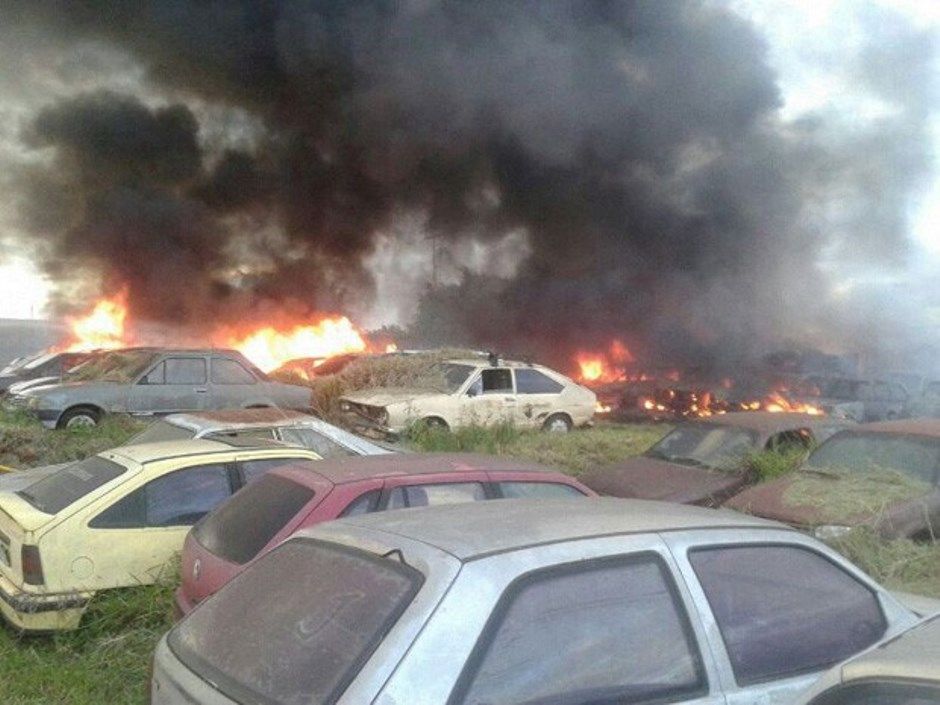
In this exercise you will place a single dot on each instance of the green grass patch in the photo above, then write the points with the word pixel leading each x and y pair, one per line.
pixel 572 452
pixel 24 442
pixel 771 464
pixel 106 660
pixel 840 495
pixel 900 564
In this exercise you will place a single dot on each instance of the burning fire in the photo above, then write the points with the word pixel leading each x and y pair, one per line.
pixel 606 366
pixel 101 329
pixel 270 348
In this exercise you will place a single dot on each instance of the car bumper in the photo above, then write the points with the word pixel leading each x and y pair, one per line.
pixel 31 612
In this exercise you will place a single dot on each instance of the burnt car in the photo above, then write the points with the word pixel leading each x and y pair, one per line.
pixel 885 476
pixel 49 366
pixel 860 399
pixel 927 403
pixel 155 382
pixel 310 367
pixel 702 461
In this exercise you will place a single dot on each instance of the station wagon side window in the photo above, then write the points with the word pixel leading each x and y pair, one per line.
pixel 497 381
pixel 363 504
pixel 626 639
pixel 537 490
pixel 180 498
pixel 433 495
pixel 535 382
pixel 225 371
pixel 785 610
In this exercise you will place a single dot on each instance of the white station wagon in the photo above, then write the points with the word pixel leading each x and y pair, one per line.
pixel 478 391
pixel 529 602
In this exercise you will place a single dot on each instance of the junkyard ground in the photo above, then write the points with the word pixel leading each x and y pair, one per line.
pixel 107 660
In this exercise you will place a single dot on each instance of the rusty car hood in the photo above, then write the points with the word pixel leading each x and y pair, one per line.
pixel 386 397
pixel 651 478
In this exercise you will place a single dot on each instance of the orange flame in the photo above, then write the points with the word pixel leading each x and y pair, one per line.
pixel 270 348
pixel 101 329
pixel 605 366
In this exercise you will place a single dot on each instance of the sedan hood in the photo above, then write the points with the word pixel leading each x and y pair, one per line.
pixel 650 478
pixel 386 397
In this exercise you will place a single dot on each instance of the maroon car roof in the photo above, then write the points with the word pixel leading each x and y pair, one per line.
pixel 770 421
pixel 352 469
pixel 915 427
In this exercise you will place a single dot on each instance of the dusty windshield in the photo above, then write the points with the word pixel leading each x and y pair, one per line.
pixel 705 445
pixel 856 452
pixel 122 367
pixel 454 375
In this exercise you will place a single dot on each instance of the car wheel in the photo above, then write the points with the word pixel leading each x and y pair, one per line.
pixel 557 423
pixel 79 417
pixel 436 423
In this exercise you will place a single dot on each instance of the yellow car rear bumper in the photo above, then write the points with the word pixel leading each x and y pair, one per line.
pixel 41 612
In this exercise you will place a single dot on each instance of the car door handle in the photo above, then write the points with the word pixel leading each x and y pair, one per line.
pixel 509 398
pixel 201 390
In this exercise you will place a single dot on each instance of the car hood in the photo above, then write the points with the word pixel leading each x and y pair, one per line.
pixel 25 384
pixel 386 397
pixel 651 478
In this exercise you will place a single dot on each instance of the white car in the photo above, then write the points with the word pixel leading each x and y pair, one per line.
pixel 477 391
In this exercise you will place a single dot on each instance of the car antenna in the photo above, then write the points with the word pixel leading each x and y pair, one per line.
pixel 493 359
pixel 396 552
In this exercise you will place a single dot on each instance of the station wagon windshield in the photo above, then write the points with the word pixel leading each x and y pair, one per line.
pixel 54 493
pixel 330 616
pixel 705 445
pixel 122 367
pixel 852 451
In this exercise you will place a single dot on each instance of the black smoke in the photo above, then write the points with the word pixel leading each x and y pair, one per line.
pixel 638 144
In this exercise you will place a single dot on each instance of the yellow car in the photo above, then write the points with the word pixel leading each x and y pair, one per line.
pixel 114 520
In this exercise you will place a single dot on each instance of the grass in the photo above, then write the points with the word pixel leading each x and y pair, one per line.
pixel 900 564
pixel 769 465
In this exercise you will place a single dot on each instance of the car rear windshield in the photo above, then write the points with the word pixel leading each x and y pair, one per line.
pixel 54 493
pixel 855 451
pixel 705 445
pixel 160 431
pixel 240 528
pixel 296 627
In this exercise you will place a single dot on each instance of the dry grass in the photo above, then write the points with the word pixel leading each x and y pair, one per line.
pixel 840 495
pixel 900 564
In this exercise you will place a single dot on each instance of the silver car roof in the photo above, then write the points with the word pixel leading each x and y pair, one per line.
pixel 470 530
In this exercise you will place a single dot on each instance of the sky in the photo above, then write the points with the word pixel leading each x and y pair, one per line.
pixel 812 44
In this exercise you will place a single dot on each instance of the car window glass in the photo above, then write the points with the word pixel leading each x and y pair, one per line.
pixel 183 497
pixel 625 638
pixel 327 620
pixel 884 693
pixel 497 381
pixel 317 442
pixel 254 469
pixel 784 610
pixel 54 493
pixel 239 528
pixel 364 504
pixel 534 382
pixel 538 490
pixel 156 376
pixel 705 444
pixel 476 387
pixel 225 371
pixel 185 370
pixel 266 434
pixel 863 452
pixel 433 495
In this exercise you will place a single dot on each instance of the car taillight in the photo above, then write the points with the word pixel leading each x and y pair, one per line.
pixel 32 565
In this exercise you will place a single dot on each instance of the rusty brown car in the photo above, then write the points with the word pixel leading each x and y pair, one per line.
pixel 883 475
pixel 702 461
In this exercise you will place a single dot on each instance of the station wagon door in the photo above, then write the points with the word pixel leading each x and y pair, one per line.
pixel 232 385
pixel 134 539
pixel 778 612
pixel 176 383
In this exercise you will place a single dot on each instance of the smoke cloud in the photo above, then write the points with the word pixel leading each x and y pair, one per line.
pixel 638 148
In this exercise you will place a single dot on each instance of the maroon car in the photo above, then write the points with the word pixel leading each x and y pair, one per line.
pixel 882 475
pixel 701 461
pixel 290 498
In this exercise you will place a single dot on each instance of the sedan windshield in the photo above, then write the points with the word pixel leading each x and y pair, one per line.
pixel 705 445
pixel 120 366
pixel 855 451
pixel 297 627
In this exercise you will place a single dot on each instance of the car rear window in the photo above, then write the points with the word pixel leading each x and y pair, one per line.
pixel 538 490
pixel 240 528
pixel 54 493
pixel 297 627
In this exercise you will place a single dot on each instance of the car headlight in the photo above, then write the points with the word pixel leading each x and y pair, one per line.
pixel 345 406
pixel 828 532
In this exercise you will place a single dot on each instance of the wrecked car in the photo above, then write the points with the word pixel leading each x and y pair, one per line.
pixel 885 476
pixel 529 601
pixel 155 382
pixel 702 461
pixel 284 425
pixel 310 367
pixel 48 366
pixel 477 391
pixel 904 670
pixel 859 399
pixel 291 498
pixel 114 520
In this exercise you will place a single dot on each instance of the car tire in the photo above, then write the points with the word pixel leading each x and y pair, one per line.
pixel 435 422
pixel 557 423
pixel 79 416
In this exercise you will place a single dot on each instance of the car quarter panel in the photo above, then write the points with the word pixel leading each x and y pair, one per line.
pixel 449 639
pixel 785 690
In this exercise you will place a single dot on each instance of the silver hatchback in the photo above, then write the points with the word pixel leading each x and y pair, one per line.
pixel 538 602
